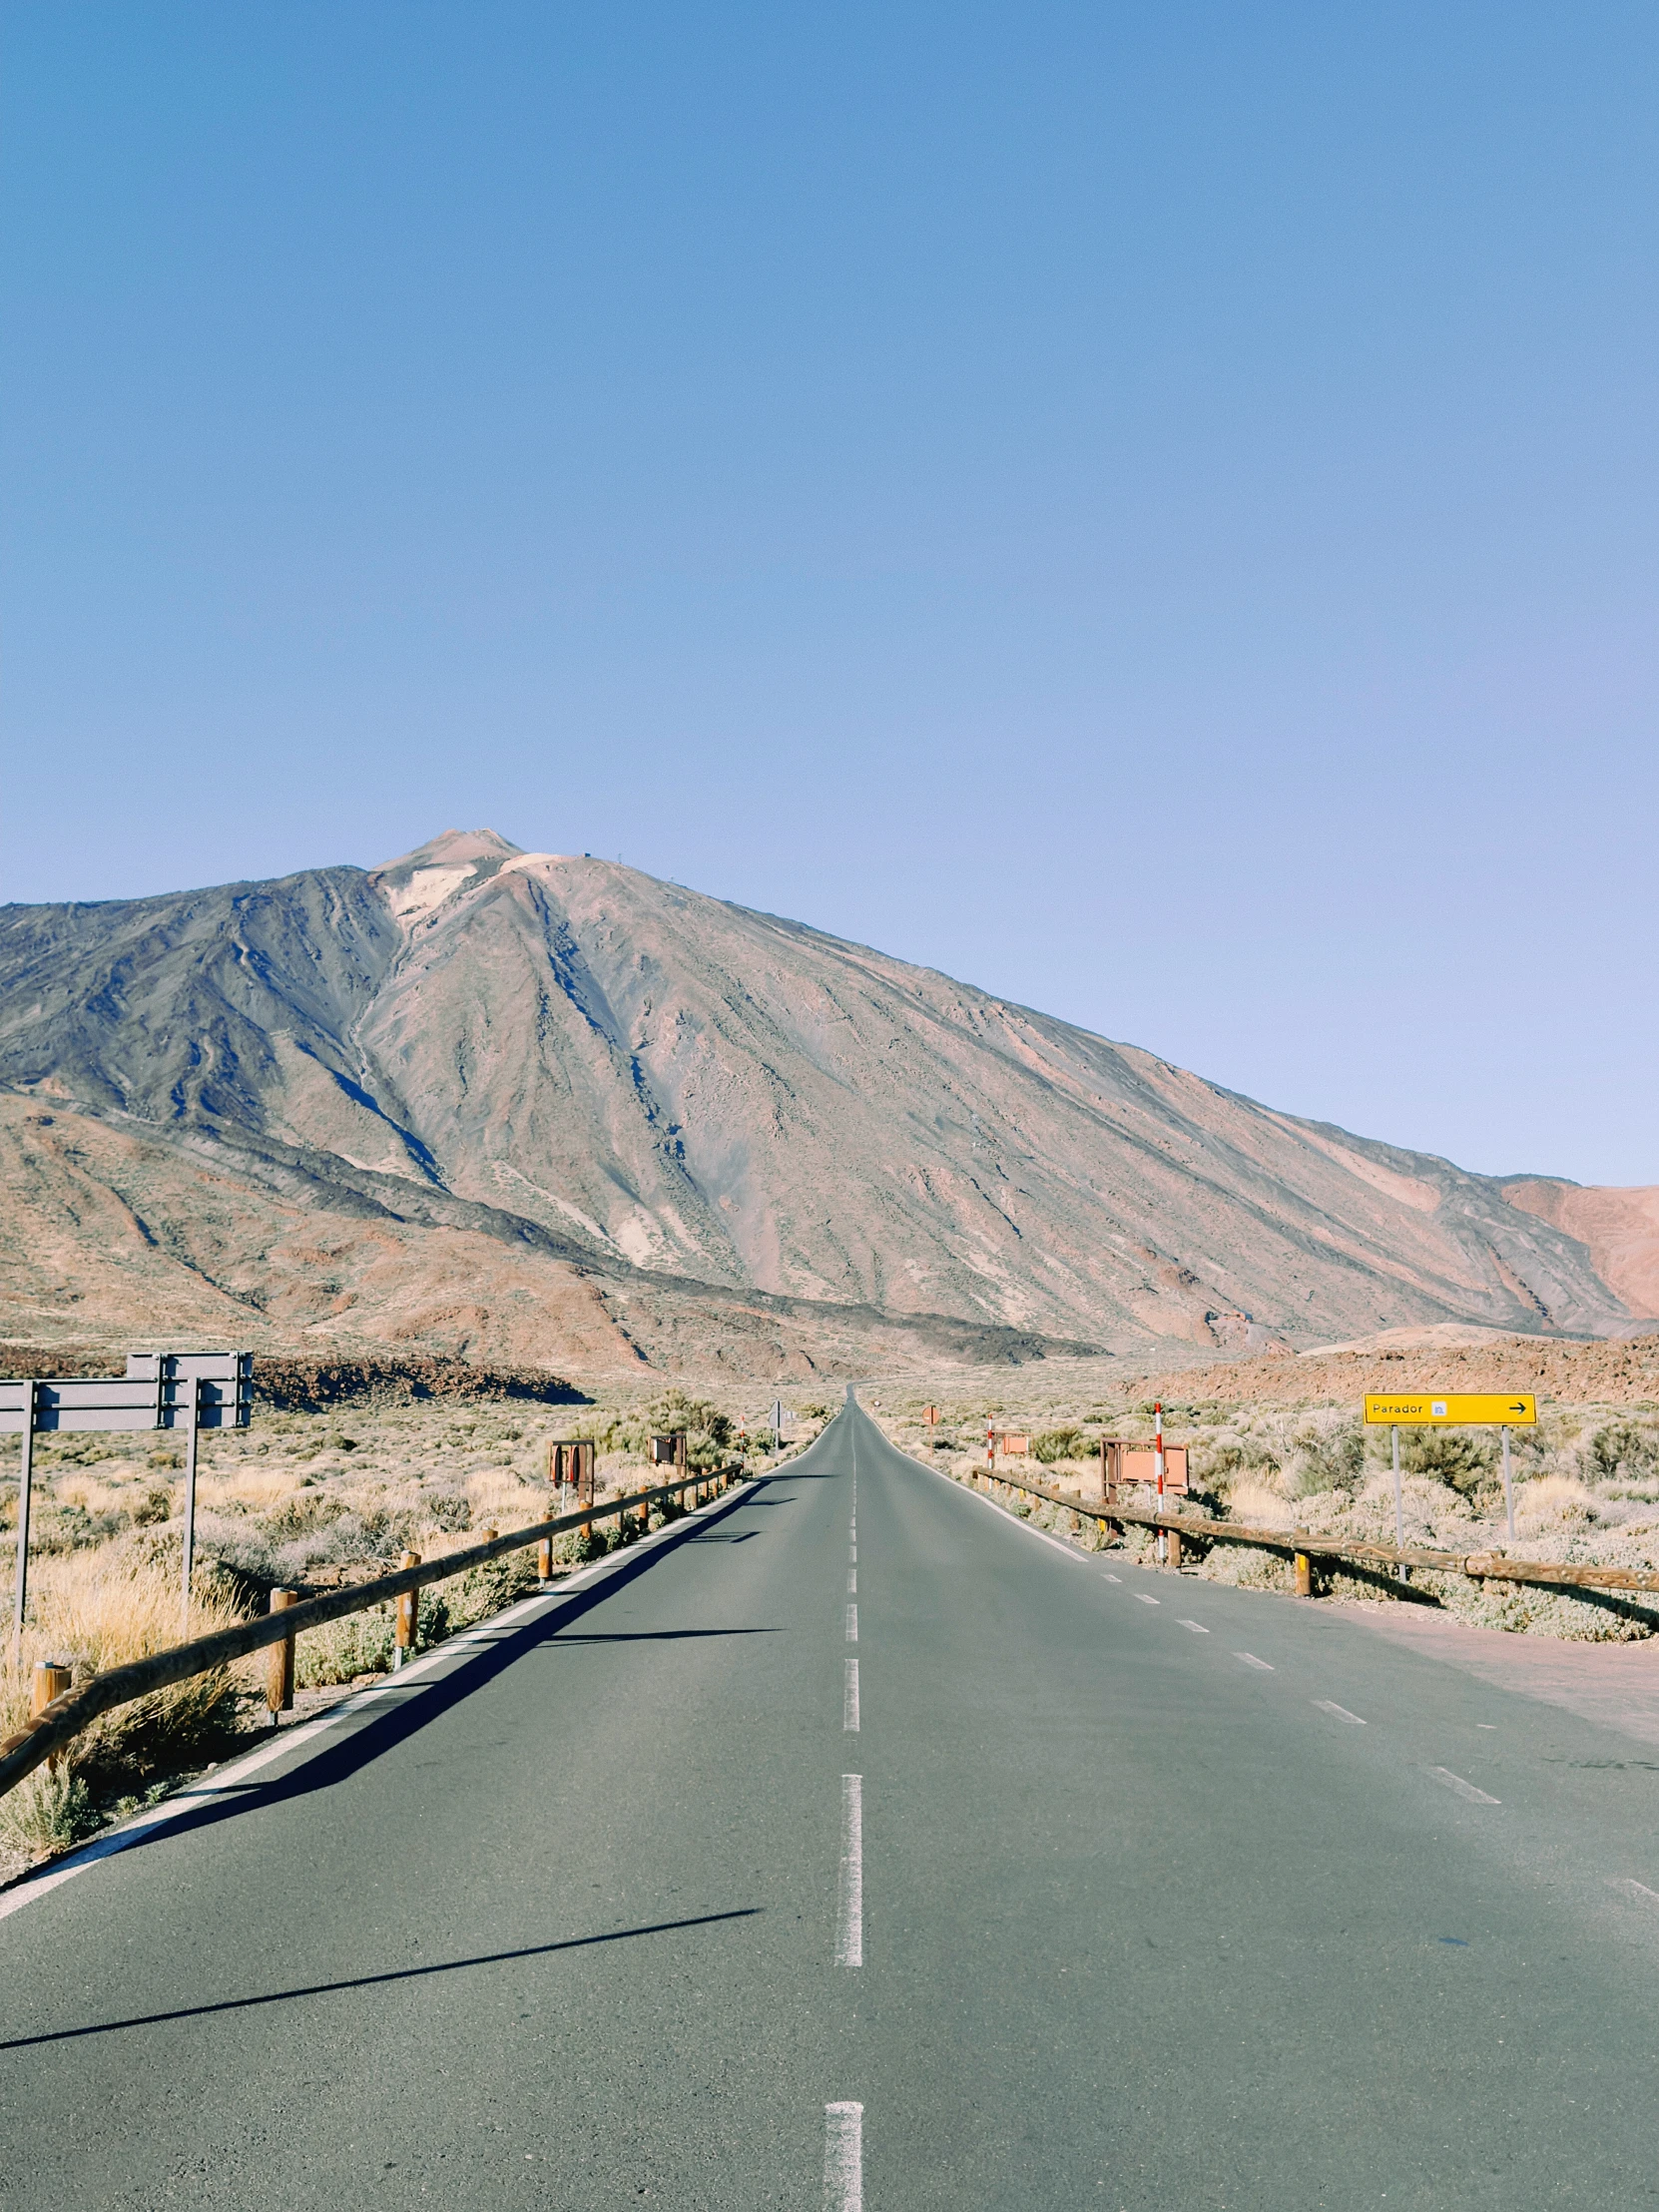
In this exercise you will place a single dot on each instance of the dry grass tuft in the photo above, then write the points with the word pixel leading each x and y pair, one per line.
pixel 1258 1504
pixel 1551 1501
pixel 100 1609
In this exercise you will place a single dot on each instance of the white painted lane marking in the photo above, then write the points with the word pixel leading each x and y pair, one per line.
pixel 1250 1659
pixel 849 1700
pixel 852 1578
pixel 850 1920
pixel 1463 1788
pixel 1071 1552
pixel 853 1624
pixel 853 1554
pixel 1112 1578
pixel 1198 1628
pixel 226 1780
pixel 1637 1890
pixel 844 2158
pixel 1144 1600
pixel 1338 1712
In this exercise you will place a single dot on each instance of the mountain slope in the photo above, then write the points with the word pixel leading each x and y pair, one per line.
pixel 654 1088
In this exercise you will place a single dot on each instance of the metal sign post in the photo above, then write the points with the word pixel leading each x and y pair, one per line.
pixel 1508 1491
pixel 192 1390
pixel 1454 1410
pixel 1400 1509
pixel 25 1485
pixel 193 1404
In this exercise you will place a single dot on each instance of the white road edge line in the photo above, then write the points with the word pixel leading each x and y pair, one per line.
pixel 1250 1659
pixel 1338 1712
pixel 1637 1890
pixel 225 1781
pixel 849 1700
pixel 1198 1628
pixel 850 1919
pixel 844 2158
pixel 1463 1788
pixel 853 1624
pixel 1071 1552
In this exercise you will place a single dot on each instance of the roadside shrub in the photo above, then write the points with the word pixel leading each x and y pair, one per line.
pixel 1327 1453
pixel 341 1650
pixel 1059 1444
pixel 46 1812
pixel 1460 1457
pixel 1626 1450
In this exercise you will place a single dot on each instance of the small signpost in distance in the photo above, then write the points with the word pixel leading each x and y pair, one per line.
pixel 1398 1409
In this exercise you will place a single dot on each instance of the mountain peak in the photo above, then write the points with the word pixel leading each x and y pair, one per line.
pixel 417 881
pixel 449 849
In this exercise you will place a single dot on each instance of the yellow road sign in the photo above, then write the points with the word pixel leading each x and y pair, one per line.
pixel 1432 1408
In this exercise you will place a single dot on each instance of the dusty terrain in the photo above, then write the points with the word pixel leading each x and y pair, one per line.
pixel 544 1109
pixel 1278 1441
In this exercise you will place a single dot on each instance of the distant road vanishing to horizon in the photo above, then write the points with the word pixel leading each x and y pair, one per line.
pixel 850 1844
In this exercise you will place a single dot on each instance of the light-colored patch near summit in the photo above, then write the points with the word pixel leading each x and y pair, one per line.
pixel 426 888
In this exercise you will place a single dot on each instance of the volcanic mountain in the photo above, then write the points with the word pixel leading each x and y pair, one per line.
pixel 544 1107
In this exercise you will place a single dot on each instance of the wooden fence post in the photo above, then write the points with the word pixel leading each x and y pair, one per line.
pixel 52 1679
pixel 1175 1549
pixel 279 1666
pixel 1304 1575
pixel 544 1561
pixel 408 1616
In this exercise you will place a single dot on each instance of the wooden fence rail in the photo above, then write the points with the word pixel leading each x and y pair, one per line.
pixel 64 1717
pixel 1480 1567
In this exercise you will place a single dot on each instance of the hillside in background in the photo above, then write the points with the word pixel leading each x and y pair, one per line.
pixel 547 1109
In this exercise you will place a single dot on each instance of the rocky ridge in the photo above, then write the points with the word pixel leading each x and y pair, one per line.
pixel 544 1109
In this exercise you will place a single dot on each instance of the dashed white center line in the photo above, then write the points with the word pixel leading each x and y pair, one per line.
pixel 849 1701
pixel 853 1554
pixel 853 1624
pixel 1249 1659
pixel 1112 1578
pixel 844 2158
pixel 850 1929
pixel 852 1578
pixel 1338 1712
pixel 1198 1628
pixel 1144 1600
pixel 1637 1890
pixel 1463 1788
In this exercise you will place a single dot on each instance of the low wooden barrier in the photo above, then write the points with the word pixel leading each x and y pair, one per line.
pixel 66 1715
pixel 1307 1543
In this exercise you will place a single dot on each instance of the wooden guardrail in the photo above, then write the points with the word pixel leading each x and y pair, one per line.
pixel 65 1716
pixel 1308 1544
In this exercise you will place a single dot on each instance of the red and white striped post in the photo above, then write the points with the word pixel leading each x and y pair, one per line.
pixel 1158 1471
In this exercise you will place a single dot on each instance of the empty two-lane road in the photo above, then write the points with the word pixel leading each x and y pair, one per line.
pixel 856 1845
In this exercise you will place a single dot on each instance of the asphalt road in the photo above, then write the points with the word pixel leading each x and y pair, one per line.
pixel 615 1906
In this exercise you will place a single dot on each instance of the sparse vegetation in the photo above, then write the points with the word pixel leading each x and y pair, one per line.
pixel 300 1500
pixel 1586 1483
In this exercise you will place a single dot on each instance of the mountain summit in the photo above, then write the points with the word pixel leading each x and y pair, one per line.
pixel 660 1100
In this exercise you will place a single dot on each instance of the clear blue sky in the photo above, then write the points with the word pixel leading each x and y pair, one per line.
pixel 1150 508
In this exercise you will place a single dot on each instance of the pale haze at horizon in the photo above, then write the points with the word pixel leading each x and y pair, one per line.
pixel 1151 511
